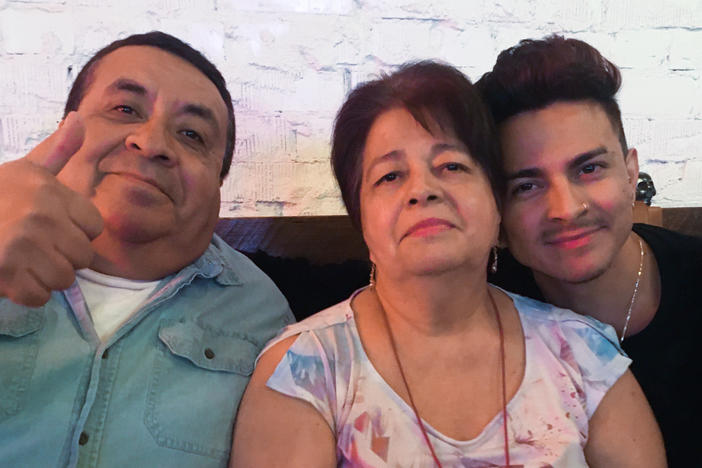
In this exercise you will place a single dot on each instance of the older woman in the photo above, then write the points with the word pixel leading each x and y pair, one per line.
pixel 429 365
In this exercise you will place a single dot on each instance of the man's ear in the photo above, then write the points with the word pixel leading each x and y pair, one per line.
pixel 631 160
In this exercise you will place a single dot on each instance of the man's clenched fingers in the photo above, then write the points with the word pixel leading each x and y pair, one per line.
pixel 84 215
pixel 28 291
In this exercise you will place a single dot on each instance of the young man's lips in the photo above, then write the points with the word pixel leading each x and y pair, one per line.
pixel 572 239
pixel 428 226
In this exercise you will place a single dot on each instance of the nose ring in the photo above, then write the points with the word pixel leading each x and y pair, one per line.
pixel 584 205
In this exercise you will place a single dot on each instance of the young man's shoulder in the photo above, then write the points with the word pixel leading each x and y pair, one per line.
pixel 666 240
pixel 679 256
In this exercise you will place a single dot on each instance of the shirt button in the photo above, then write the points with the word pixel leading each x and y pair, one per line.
pixel 209 354
pixel 83 439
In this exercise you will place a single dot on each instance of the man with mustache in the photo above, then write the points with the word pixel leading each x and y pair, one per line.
pixel 570 182
pixel 128 331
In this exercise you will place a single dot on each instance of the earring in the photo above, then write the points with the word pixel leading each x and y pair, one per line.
pixel 371 279
pixel 493 264
pixel 584 206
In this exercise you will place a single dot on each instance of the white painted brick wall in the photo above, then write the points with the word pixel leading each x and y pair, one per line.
pixel 289 64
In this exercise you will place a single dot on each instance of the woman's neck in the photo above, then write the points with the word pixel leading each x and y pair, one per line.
pixel 439 304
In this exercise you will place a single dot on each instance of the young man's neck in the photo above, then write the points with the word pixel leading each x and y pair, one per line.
pixel 608 297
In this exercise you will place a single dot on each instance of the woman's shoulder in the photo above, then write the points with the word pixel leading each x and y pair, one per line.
pixel 562 342
pixel 581 341
pixel 323 328
pixel 548 317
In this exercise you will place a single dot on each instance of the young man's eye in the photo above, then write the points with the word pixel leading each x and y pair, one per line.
pixel 524 187
pixel 125 109
pixel 592 168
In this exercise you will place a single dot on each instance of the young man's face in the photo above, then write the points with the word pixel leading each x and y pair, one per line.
pixel 567 209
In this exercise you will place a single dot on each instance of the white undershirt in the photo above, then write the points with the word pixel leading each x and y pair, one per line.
pixel 111 300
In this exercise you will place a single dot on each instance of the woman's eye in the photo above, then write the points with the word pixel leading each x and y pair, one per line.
pixel 389 177
pixel 455 167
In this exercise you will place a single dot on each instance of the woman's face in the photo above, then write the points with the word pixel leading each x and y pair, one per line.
pixel 426 205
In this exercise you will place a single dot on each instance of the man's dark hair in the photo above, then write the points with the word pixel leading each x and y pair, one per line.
pixel 433 93
pixel 537 73
pixel 176 47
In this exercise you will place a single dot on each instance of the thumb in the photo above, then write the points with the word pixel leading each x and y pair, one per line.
pixel 54 152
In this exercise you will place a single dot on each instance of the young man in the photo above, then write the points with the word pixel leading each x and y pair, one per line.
pixel 570 183
pixel 128 331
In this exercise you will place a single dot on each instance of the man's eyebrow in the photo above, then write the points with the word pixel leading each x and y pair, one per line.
pixel 584 157
pixel 531 172
pixel 527 173
pixel 197 110
pixel 131 86
pixel 201 111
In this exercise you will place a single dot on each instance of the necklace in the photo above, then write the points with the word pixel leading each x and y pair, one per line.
pixel 409 393
pixel 636 290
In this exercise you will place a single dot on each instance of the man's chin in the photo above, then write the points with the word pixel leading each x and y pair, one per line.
pixel 136 231
pixel 577 275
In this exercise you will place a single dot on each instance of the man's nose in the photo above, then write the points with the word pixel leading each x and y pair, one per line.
pixel 565 202
pixel 150 140
pixel 422 189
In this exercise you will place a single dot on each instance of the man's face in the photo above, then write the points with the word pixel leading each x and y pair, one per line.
pixel 155 131
pixel 567 209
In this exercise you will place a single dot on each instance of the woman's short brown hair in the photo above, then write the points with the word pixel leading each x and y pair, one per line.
pixel 434 93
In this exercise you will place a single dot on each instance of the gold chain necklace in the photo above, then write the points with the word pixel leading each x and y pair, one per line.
pixel 409 393
pixel 636 290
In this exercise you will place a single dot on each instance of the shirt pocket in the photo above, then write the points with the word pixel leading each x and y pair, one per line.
pixel 198 378
pixel 19 345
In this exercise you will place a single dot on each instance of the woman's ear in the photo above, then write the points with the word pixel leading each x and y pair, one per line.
pixel 502 238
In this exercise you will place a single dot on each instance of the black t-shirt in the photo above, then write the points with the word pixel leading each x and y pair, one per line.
pixel 666 354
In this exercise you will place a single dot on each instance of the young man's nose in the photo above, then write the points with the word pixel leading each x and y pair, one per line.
pixel 565 202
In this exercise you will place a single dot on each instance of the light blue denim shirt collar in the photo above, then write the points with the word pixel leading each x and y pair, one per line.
pixel 211 265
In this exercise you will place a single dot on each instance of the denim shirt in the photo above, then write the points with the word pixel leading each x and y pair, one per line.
pixel 162 391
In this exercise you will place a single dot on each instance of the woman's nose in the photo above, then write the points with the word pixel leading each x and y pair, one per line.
pixel 423 188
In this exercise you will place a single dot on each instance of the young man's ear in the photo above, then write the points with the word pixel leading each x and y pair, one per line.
pixel 632 167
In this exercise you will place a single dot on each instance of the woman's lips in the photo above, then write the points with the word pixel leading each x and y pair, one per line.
pixel 428 227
